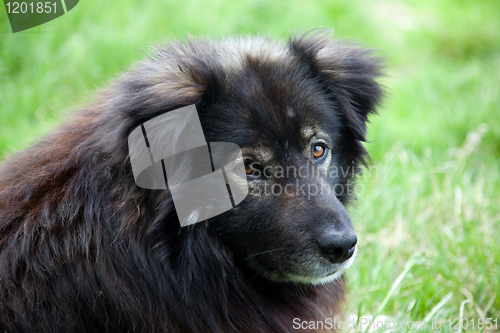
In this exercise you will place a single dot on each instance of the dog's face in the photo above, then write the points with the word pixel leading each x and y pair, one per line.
pixel 293 225
pixel 298 113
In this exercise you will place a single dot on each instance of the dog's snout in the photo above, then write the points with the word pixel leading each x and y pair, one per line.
pixel 337 246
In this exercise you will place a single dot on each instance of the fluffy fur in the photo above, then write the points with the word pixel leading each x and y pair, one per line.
pixel 83 249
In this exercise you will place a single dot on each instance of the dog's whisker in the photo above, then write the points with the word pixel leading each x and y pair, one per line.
pixel 263 252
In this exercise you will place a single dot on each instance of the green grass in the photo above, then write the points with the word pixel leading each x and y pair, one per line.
pixel 433 202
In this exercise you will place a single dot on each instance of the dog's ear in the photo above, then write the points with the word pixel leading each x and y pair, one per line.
pixel 175 75
pixel 348 72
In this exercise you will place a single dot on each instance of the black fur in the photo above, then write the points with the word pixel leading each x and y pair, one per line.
pixel 83 249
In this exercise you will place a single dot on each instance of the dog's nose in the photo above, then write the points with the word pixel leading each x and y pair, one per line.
pixel 337 246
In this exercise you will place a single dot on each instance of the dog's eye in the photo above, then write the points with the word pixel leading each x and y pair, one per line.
pixel 251 168
pixel 248 169
pixel 318 151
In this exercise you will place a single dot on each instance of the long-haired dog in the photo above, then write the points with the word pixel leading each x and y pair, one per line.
pixel 84 249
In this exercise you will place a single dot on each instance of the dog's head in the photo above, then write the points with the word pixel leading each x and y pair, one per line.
pixel 298 111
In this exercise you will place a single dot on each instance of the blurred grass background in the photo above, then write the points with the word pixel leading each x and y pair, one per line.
pixel 428 220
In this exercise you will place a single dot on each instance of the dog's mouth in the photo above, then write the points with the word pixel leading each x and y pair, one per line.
pixel 332 274
pixel 313 271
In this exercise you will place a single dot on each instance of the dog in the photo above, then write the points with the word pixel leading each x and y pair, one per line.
pixel 84 249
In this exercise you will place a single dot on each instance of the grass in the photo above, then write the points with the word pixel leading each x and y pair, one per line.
pixel 442 210
pixel 429 219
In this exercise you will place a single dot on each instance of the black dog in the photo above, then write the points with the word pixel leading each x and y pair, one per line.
pixel 84 249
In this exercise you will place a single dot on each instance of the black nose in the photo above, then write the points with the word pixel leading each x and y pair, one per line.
pixel 337 246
